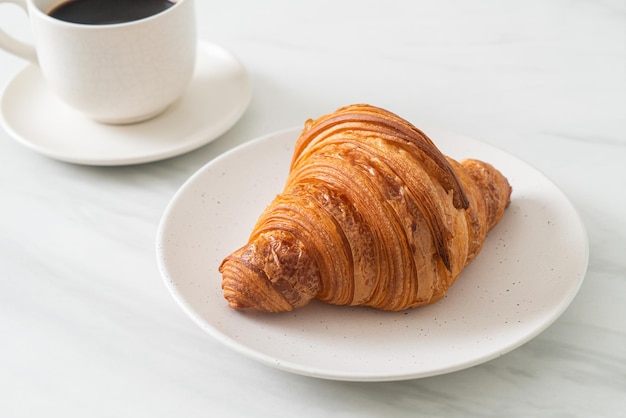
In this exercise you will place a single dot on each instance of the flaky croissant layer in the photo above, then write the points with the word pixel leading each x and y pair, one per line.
pixel 372 214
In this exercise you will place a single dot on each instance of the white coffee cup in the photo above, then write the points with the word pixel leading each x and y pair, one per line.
pixel 113 73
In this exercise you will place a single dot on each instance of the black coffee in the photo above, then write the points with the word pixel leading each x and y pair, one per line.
pixel 106 12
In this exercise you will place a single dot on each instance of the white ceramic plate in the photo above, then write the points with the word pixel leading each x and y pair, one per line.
pixel 216 98
pixel 528 272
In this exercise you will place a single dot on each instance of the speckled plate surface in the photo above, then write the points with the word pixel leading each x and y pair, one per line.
pixel 528 272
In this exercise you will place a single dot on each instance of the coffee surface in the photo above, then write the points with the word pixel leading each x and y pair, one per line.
pixel 106 12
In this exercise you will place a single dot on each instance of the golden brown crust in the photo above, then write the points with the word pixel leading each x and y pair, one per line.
pixel 372 214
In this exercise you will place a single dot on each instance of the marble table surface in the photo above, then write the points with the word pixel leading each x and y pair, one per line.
pixel 88 329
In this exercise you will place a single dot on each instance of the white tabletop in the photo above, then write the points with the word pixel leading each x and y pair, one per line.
pixel 87 328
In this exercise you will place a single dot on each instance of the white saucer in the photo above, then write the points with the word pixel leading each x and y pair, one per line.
pixel 216 98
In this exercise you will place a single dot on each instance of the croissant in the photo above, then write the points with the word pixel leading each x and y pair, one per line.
pixel 372 214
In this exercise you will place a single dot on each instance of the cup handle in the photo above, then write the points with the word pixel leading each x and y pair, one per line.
pixel 14 46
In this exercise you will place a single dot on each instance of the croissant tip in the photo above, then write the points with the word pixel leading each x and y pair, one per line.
pixel 234 304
